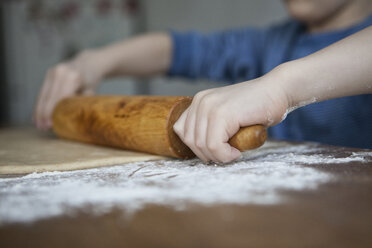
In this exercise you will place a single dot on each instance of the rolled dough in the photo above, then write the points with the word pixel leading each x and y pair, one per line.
pixel 27 150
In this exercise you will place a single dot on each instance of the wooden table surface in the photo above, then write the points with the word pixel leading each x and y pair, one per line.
pixel 337 213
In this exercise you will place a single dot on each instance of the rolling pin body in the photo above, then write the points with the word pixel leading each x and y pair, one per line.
pixel 139 123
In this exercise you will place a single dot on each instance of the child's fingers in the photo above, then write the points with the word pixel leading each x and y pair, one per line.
pixel 54 89
pixel 195 131
pixel 200 135
pixel 189 135
pixel 64 85
pixel 217 143
pixel 178 126
pixel 60 82
pixel 201 129
pixel 42 98
pixel 180 129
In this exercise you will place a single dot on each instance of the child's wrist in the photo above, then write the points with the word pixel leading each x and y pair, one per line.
pixel 291 82
pixel 95 61
pixel 106 60
pixel 280 81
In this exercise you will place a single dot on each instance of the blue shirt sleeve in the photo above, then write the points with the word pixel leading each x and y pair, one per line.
pixel 229 56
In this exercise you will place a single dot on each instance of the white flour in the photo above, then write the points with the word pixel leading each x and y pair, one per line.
pixel 257 178
pixel 301 104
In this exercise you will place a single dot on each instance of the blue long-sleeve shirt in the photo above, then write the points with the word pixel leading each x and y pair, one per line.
pixel 243 54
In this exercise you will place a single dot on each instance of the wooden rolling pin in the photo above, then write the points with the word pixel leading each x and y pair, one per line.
pixel 139 123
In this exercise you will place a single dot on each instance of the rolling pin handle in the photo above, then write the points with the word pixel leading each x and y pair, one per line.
pixel 248 138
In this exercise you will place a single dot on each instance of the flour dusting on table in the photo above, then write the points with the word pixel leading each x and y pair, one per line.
pixel 257 178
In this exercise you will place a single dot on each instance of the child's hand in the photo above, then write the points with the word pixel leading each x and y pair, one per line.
pixel 215 115
pixel 144 55
pixel 78 76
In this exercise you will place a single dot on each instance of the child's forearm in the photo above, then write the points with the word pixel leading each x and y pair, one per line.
pixel 342 69
pixel 144 55
pixel 215 115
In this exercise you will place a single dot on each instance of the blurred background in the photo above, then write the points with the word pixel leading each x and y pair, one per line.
pixel 37 34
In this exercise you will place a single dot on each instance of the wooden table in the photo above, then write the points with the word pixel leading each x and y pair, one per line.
pixel 335 214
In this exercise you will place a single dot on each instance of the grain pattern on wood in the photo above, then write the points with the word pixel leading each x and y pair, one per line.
pixel 139 123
